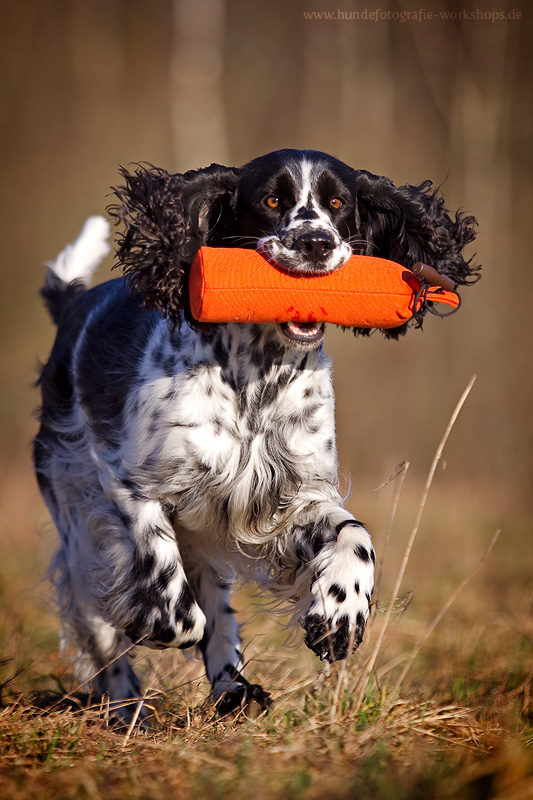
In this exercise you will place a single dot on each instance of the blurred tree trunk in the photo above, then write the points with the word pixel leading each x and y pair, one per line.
pixel 197 107
pixel 366 94
pixel 319 107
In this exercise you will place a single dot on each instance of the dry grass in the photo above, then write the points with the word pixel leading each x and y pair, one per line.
pixel 458 737
pixel 434 705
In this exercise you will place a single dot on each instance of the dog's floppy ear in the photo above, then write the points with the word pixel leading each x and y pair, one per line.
pixel 167 218
pixel 408 224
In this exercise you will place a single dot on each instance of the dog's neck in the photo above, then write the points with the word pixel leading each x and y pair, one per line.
pixel 239 346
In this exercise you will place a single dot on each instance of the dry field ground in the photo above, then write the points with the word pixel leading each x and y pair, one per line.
pixel 450 718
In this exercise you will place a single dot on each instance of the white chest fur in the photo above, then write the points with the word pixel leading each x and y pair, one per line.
pixel 228 437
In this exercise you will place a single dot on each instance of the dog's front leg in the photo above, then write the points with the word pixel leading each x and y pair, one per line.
pixel 139 579
pixel 220 646
pixel 337 554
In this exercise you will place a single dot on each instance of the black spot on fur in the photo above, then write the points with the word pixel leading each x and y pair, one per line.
pixel 218 426
pixel 184 604
pixel 362 553
pixel 257 357
pixel 200 368
pixel 124 518
pixel 269 394
pixel 142 564
pixel 133 488
pixel 220 353
pixel 272 354
pixel 164 577
pixel 91 645
pixel 304 414
pixel 301 365
pixel 163 632
pixel 317 534
pixel 337 592
pixel 354 523
pixel 138 628
pixel 187 623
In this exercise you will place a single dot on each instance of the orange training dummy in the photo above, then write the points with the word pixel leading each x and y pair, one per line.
pixel 233 285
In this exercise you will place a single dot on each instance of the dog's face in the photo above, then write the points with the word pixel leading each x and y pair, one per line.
pixel 305 211
pixel 297 209
pixel 301 207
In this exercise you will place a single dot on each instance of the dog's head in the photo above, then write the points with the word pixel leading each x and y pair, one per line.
pixel 305 211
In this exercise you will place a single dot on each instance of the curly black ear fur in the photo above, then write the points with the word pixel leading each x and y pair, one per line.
pixel 167 219
pixel 407 224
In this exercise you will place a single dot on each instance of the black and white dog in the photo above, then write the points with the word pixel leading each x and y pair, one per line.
pixel 174 456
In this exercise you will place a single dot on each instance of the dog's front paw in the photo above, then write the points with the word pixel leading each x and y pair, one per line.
pixel 339 596
pixel 334 638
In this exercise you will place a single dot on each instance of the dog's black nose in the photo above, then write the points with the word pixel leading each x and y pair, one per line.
pixel 315 245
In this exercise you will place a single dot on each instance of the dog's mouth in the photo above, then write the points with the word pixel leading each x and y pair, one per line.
pixel 303 334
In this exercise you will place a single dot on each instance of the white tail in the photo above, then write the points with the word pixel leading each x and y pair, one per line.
pixel 79 260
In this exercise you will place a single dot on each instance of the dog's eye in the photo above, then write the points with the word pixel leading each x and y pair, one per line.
pixel 272 201
pixel 336 202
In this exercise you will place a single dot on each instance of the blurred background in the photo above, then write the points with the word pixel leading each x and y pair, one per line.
pixel 87 85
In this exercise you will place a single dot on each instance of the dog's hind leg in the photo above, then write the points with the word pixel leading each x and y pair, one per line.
pixel 104 654
pixel 107 668
pixel 103 664
pixel 119 581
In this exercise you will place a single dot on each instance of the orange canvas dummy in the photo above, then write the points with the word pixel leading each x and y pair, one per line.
pixel 233 285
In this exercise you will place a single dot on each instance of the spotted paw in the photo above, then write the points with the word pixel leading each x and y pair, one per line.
pixel 339 597
pixel 333 640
